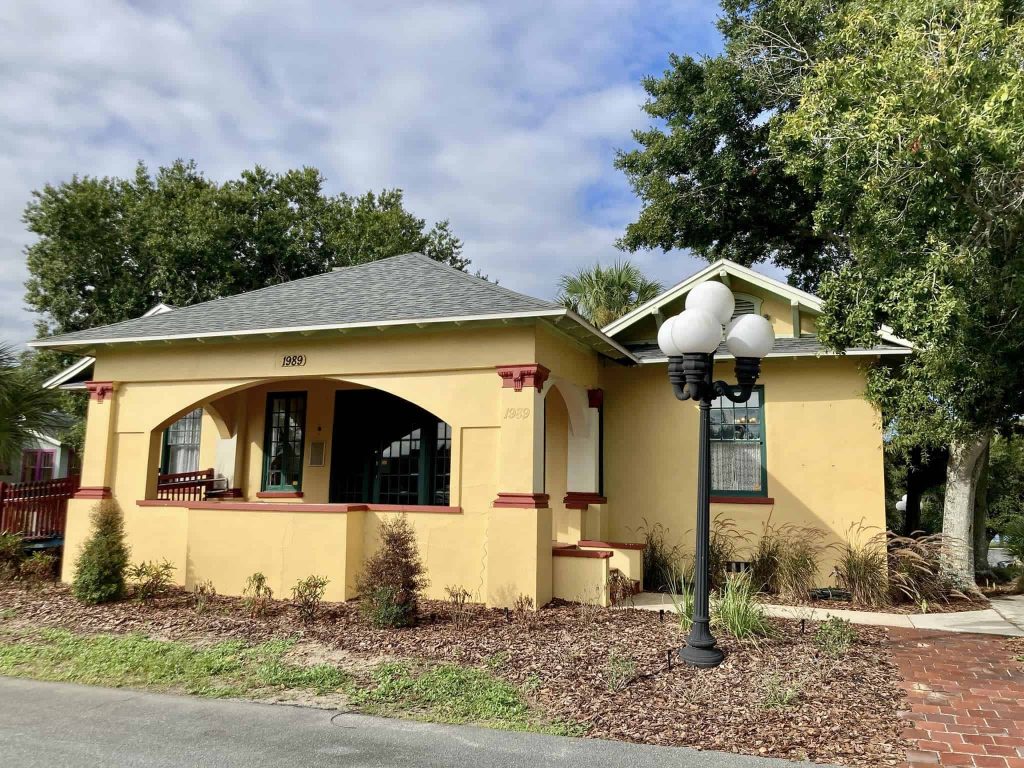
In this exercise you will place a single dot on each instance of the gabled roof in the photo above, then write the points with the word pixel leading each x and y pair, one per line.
pixel 410 289
pixel 723 268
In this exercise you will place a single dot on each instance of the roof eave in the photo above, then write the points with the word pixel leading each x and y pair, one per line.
pixel 782 355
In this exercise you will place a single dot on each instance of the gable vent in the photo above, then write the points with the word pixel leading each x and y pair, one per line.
pixel 746 305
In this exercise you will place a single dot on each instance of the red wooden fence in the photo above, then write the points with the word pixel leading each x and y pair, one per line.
pixel 184 486
pixel 36 510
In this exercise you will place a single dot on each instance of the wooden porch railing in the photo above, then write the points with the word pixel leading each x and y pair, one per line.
pixel 36 510
pixel 184 486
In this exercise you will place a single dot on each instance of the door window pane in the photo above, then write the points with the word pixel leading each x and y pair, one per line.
pixel 283 441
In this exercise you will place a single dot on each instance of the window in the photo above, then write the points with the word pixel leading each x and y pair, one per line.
pixel 283 441
pixel 738 465
pixel 181 444
pixel 37 465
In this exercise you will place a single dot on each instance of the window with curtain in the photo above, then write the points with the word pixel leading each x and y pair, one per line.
pixel 181 444
pixel 738 464
pixel 283 441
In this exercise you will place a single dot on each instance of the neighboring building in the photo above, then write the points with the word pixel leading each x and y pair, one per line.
pixel 528 448
pixel 44 458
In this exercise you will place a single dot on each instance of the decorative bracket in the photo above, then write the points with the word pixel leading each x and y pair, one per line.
pixel 98 390
pixel 595 398
pixel 519 376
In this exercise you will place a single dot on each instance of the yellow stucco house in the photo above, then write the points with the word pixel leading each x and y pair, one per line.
pixel 273 431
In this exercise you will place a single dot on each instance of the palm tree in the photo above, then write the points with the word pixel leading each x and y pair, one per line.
pixel 26 409
pixel 604 294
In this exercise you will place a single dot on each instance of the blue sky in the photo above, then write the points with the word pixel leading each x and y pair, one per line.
pixel 502 117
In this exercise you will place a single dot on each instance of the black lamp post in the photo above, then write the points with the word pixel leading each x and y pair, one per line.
pixel 689 340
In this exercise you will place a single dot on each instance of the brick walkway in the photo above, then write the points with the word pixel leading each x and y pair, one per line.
pixel 966 694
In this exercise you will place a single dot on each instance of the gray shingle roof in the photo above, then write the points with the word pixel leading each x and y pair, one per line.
pixel 805 346
pixel 409 287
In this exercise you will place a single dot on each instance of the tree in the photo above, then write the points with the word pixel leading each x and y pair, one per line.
pixel 26 409
pixel 603 294
pixel 910 123
pixel 109 249
pixel 706 175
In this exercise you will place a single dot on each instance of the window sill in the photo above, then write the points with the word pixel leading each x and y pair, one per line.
pixel 742 500
pixel 279 495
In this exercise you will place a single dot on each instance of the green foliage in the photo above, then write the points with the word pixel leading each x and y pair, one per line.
pixel 861 569
pixel 38 568
pixel 779 690
pixel 393 577
pixel 307 595
pixel 1005 489
pixel 785 560
pixel 149 579
pixel 604 294
pixel 1012 533
pixel 25 407
pixel 100 571
pixel 737 611
pixel 202 596
pixel 619 671
pixel 916 572
pixel 662 561
pixel 257 596
pixel 108 249
pixel 834 636
pixel 12 552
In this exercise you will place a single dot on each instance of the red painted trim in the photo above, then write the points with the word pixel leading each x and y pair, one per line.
pixel 595 398
pixel 269 506
pixel 522 500
pixel 600 554
pixel 519 376
pixel 582 499
pixel 279 495
pixel 742 500
pixel 233 493
pixel 98 390
pixel 611 544
pixel 93 492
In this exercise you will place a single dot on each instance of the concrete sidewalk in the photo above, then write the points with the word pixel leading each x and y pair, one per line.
pixel 1005 617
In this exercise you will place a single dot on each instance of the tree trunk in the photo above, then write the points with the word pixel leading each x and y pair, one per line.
pixel 958 509
pixel 981 513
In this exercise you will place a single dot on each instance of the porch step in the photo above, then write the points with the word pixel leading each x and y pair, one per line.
pixel 571 550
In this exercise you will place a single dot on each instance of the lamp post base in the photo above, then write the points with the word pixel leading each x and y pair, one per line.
pixel 702 658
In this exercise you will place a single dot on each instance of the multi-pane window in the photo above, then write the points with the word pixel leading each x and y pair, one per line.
pixel 181 444
pixel 442 474
pixel 283 441
pixel 738 465
pixel 398 470
pixel 37 465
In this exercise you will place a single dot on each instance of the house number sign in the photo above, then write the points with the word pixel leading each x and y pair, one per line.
pixel 293 361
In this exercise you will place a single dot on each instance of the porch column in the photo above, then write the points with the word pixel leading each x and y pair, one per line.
pixel 99 441
pixel 519 525
pixel 584 476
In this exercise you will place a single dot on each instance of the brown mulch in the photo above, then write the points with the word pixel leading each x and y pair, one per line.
pixel 846 710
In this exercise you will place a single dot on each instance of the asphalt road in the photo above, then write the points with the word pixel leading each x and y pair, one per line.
pixel 55 725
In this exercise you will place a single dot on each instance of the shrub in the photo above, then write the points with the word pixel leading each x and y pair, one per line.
pixel 764 561
pixel 620 588
pixel 661 560
pixel 798 562
pixel 12 552
pixel 202 595
pixel 778 691
pixel 100 571
pixel 834 636
pixel 38 568
pixel 737 611
pixel 257 595
pixel 861 569
pixel 458 609
pixel 523 609
pixel 307 595
pixel 393 579
pixel 149 579
pixel 916 571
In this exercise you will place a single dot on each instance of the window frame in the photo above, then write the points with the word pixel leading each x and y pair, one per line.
pixel 37 466
pixel 265 487
pixel 763 493
pixel 165 444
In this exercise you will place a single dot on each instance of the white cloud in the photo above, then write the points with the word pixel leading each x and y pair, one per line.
pixel 502 117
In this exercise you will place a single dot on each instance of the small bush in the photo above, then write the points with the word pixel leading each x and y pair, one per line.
pixel 916 572
pixel 620 587
pixel 257 595
pixel 202 595
pixel 100 571
pixel 149 579
pixel 12 552
pixel 38 568
pixel 737 611
pixel 393 577
pixel 834 636
pixel 523 610
pixel 778 690
pixel 764 561
pixel 307 594
pixel 785 561
pixel 661 560
pixel 862 571
pixel 619 671
pixel 458 609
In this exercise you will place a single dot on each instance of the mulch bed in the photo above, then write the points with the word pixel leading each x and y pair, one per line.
pixel 846 710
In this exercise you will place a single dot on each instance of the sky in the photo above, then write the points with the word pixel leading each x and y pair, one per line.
pixel 503 117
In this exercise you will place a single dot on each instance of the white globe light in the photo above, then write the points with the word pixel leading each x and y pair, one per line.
pixel 696 330
pixel 901 505
pixel 712 297
pixel 749 336
pixel 665 339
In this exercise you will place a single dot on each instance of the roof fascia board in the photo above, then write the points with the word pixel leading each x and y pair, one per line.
pixel 70 372
pixel 782 355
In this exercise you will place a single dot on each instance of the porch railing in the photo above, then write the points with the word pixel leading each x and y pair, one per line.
pixel 184 486
pixel 36 510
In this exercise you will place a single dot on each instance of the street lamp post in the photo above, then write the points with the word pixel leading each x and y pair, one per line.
pixel 689 340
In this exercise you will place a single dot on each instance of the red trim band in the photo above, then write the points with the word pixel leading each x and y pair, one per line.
pixel 522 500
pixel 93 492
pixel 98 390
pixel 582 499
pixel 611 544
pixel 279 495
pixel 269 506
pixel 742 500
pixel 595 553
pixel 595 398
pixel 519 376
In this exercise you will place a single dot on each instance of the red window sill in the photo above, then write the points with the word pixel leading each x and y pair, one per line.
pixel 279 495
pixel 742 500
